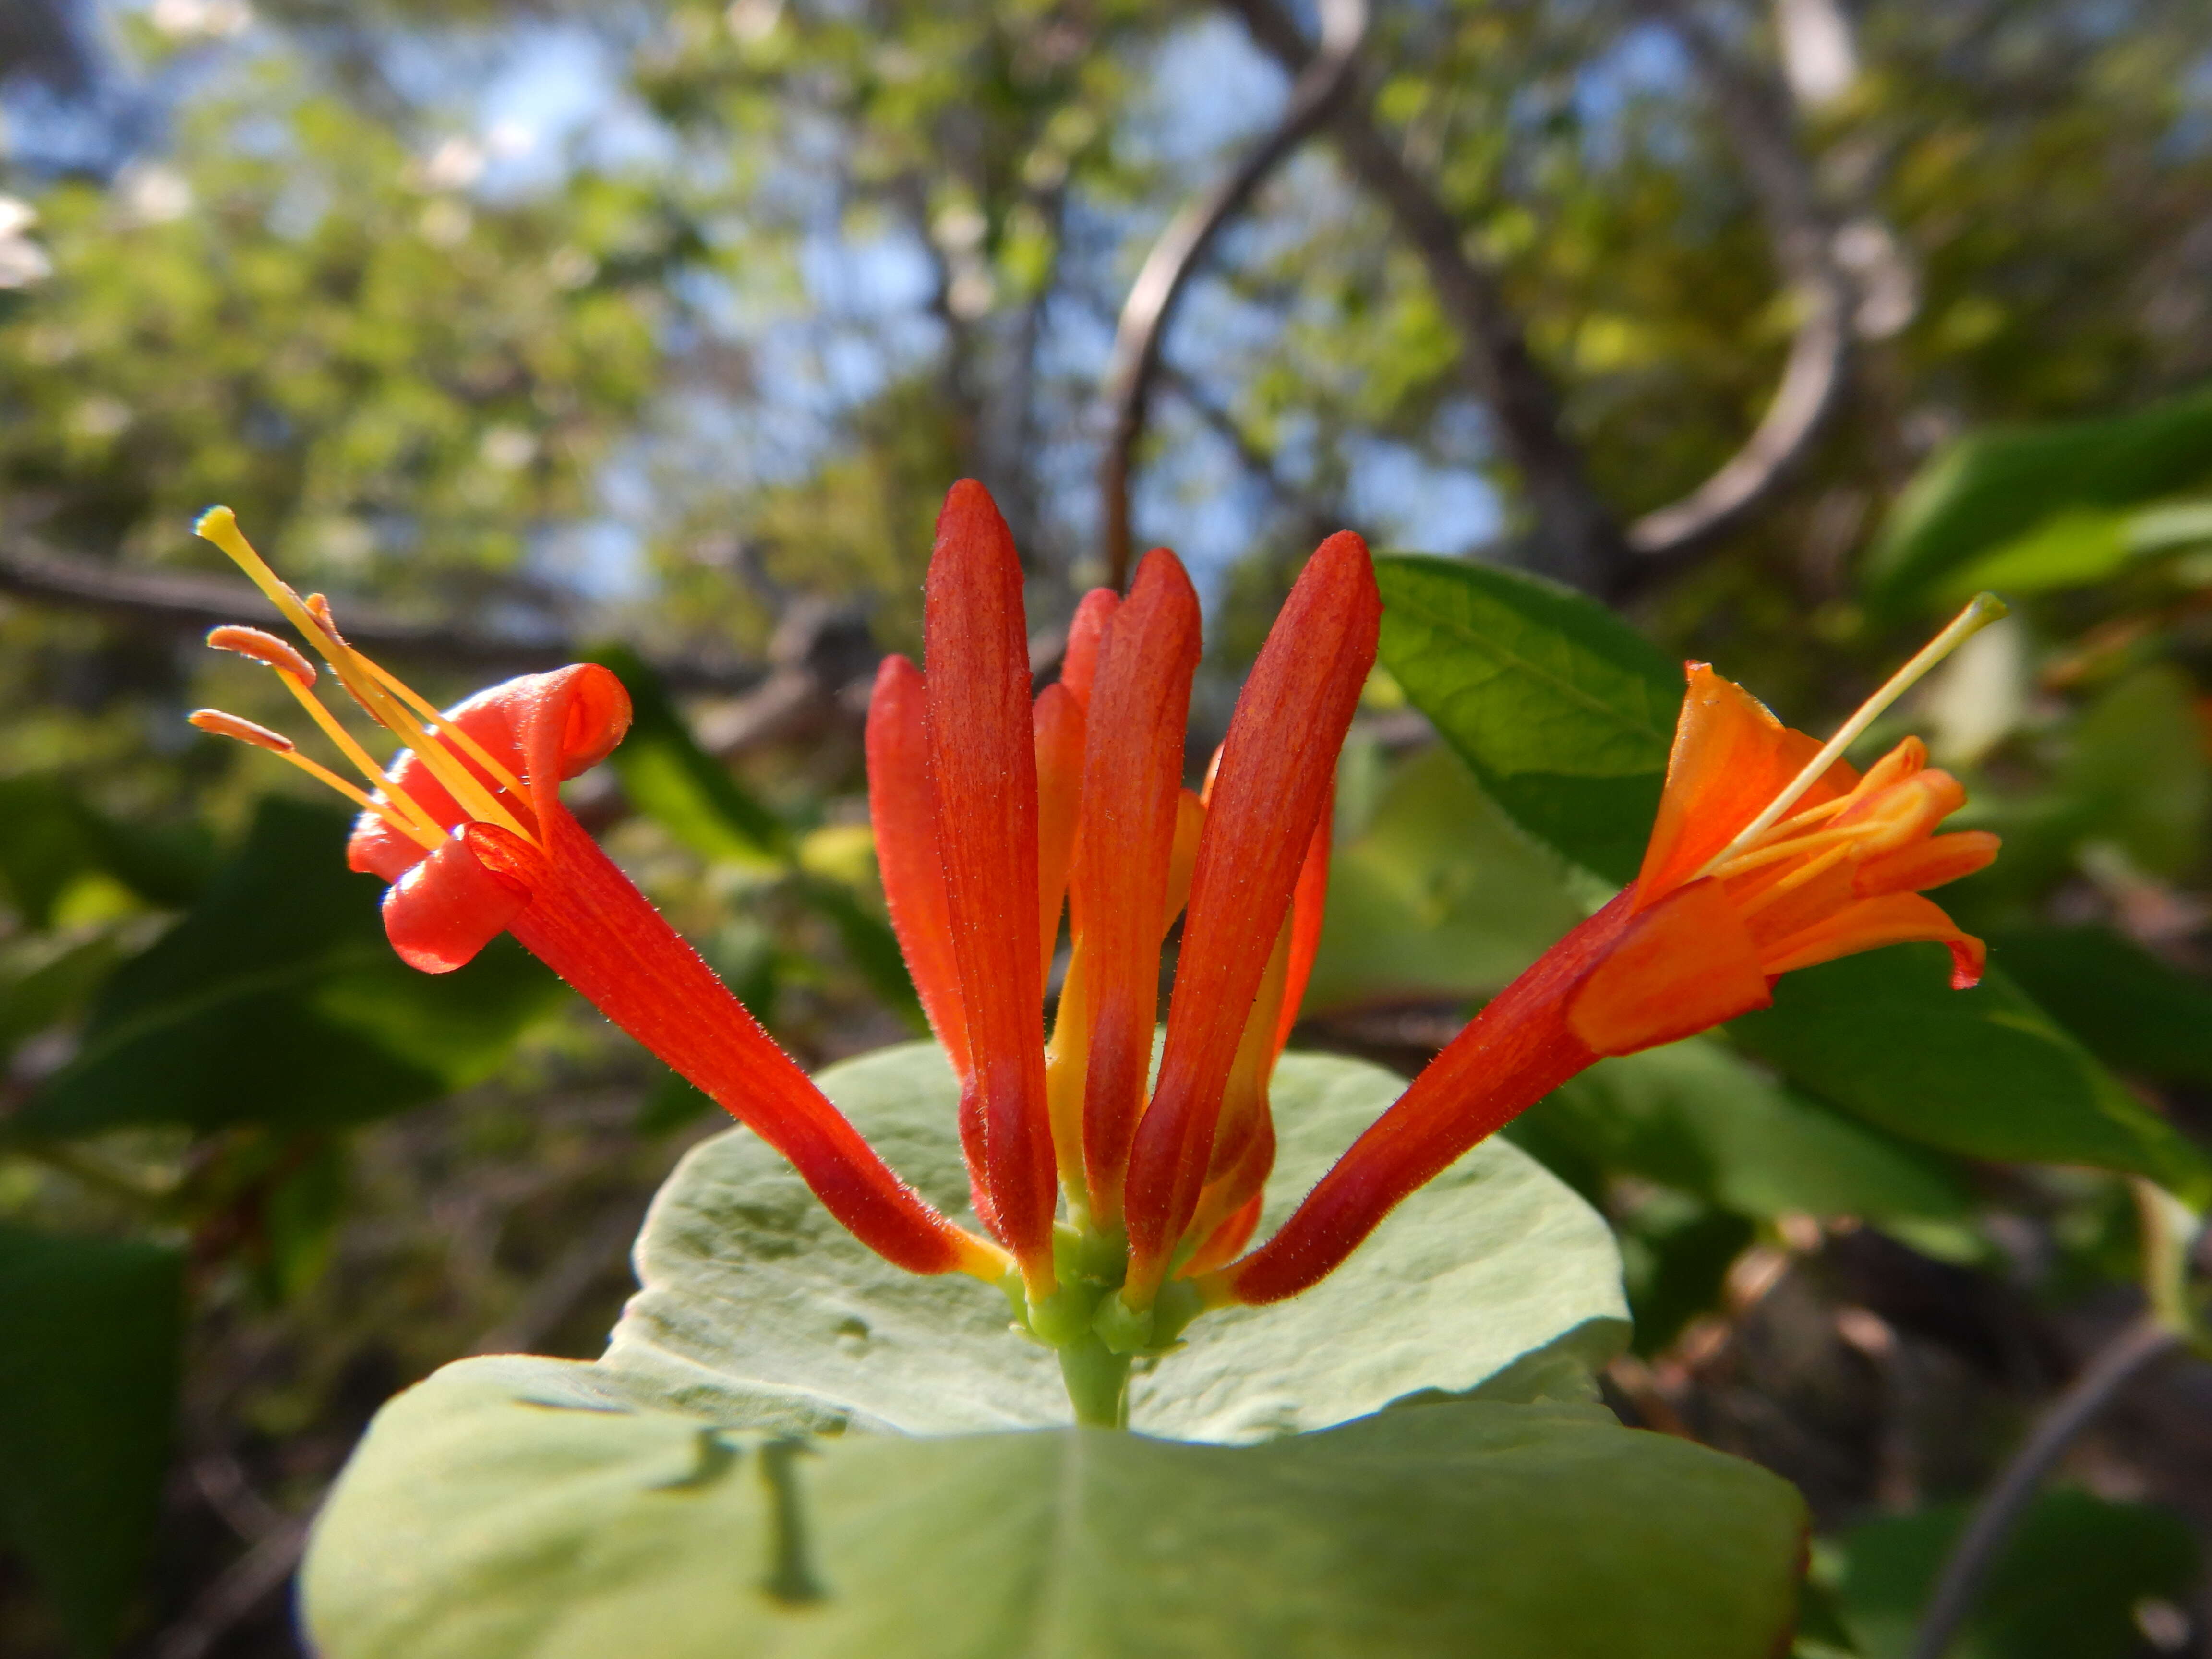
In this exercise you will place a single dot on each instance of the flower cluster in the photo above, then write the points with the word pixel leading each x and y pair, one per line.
pixel 1114 1202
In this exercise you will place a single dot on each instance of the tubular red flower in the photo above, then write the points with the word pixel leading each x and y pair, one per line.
pixel 1132 785
pixel 1721 908
pixel 469 829
pixel 902 807
pixel 1059 722
pixel 983 764
pixel 1276 768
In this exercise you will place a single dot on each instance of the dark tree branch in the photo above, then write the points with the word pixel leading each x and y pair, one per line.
pixel 182 603
pixel 2136 1348
pixel 1579 540
pixel 1813 379
pixel 1323 77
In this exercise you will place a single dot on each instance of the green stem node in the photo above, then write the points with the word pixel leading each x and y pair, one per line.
pixel 1097 1384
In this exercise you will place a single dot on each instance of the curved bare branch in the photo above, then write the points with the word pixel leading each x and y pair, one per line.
pixel 1133 367
pixel 1576 537
pixel 183 602
pixel 1817 372
pixel 2134 1350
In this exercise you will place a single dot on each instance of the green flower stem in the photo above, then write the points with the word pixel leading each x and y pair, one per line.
pixel 1098 1382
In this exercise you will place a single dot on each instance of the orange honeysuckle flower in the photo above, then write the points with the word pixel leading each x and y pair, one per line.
pixel 994 812
pixel 1768 853
pixel 468 826
pixel 1115 1210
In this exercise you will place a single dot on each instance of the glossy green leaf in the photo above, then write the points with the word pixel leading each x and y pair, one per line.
pixel 1984 1072
pixel 1693 1116
pixel 2066 1586
pixel 1879 1036
pixel 1437 896
pixel 1562 711
pixel 756 1303
pixel 50 837
pixel 2135 772
pixel 2134 1010
pixel 90 1335
pixel 673 781
pixel 47 979
pixel 1996 485
pixel 2079 547
pixel 278 1000
pixel 512 1507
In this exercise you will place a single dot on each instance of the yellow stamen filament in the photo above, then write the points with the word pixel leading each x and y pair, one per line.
pixel 449 730
pixel 220 525
pixel 215 721
pixel 1790 882
pixel 406 805
pixel 1794 847
pixel 1981 611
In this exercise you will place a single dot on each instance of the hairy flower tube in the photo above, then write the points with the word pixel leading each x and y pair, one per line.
pixel 1117 1201
pixel 1770 852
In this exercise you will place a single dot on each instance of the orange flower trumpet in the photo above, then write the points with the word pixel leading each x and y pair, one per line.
pixel 1113 1205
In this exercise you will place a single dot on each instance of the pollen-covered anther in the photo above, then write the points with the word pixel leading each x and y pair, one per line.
pixel 219 723
pixel 265 648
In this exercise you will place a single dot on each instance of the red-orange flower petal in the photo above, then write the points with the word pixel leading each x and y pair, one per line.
pixel 1308 910
pixel 447 908
pixel 983 763
pixel 1731 757
pixel 545 727
pixel 1058 721
pixel 1891 919
pixel 1277 766
pixel 591 925
pixel 902 807
pixel 1512 1055
pixel 1684 965
pixel 1131 783
pixel 1086 638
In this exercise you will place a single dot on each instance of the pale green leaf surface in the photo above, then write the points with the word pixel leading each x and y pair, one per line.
pixel 507 1508
pixel 756 1303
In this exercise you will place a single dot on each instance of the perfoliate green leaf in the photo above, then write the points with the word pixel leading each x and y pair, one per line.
pixel 666 1502
pixel 1562 711
pixel 1984 1072
pixel 1997 485
pixel 756 1302
pixel 509 1507
pixel 90 1335
pixel 278 1000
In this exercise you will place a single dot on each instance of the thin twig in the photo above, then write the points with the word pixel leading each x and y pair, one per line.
pixel 1817 372
pixel 235 1594
pixel 1576 537
pixel 2148 1339
pixel 1135 364
pixel 183 602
